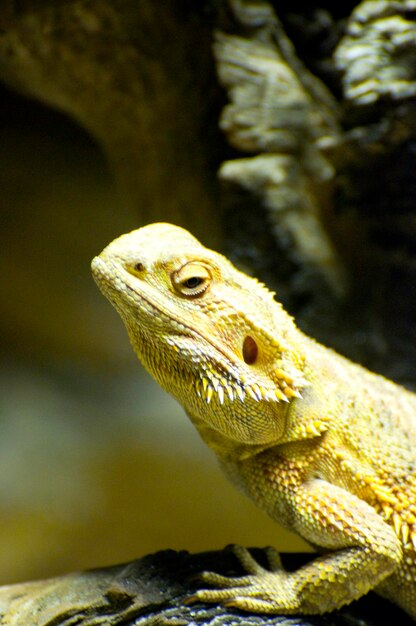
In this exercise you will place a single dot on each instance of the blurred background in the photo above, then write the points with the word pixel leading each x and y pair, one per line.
pixel 259 127
pixel 97 464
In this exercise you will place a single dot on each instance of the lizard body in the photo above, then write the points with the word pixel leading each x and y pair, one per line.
pixel 324 446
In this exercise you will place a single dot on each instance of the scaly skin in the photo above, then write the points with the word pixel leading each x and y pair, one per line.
pixel 327 448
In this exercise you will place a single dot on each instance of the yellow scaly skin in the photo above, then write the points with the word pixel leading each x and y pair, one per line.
pixel 325 447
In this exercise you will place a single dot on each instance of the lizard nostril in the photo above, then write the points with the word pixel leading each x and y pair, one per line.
pixel 250 350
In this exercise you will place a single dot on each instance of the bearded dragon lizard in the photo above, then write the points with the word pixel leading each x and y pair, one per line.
pixel 322 445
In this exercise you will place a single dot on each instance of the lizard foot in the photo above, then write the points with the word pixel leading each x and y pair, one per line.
pixel 262 590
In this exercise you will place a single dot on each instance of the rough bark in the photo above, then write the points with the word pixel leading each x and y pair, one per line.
pixel 153 590
pixel 127 74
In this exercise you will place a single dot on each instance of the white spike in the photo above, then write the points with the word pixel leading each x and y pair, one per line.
pixel 198 388
pixel 257 391
pixel 284 398
pixel 269 395
pixel 209 394
pixel 252 393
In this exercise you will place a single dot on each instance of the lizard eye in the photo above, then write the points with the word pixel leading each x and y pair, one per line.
pixel 192 279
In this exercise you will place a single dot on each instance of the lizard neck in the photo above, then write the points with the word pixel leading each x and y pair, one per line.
pixel 226 448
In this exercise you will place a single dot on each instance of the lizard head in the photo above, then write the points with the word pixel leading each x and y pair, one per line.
pixel 212 336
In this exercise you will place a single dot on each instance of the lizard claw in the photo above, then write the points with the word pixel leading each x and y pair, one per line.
pixel 253 592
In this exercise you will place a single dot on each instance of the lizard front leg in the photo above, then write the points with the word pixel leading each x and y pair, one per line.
pixel 364 551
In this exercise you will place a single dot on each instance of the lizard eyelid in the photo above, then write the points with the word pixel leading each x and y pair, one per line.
pixel 192 279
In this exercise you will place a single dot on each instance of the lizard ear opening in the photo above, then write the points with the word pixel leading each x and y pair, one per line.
pixel 250 350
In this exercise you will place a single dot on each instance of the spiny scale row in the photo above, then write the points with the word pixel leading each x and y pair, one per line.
pixel 403 530
pixel 207 387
